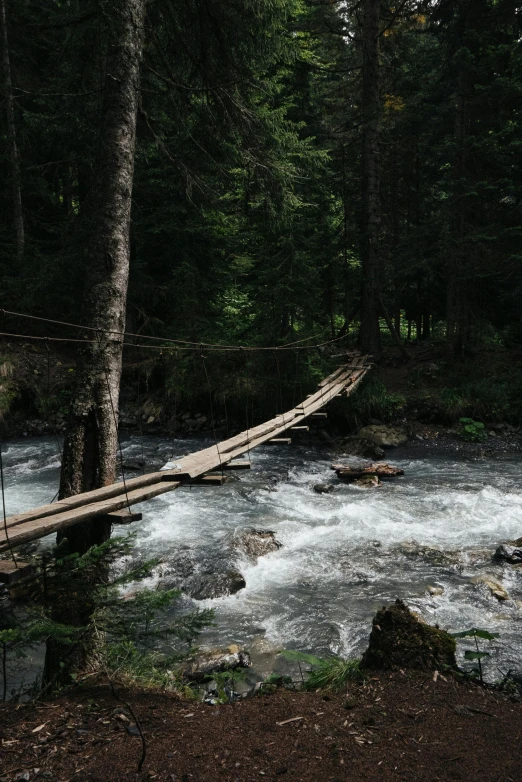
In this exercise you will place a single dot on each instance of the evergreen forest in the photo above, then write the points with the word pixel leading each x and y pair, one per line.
pixel 302 168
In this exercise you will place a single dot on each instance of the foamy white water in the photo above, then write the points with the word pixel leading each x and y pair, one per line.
pixel 343 555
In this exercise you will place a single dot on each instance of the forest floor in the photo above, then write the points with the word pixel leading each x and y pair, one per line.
pixel 394 726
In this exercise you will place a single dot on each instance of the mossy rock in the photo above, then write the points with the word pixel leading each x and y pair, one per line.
pixel 399 640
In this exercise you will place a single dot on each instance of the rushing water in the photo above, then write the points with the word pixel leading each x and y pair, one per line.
pixel 343 554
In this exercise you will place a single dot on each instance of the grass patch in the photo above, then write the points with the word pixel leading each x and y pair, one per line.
pixel 330 673
pixel 333 674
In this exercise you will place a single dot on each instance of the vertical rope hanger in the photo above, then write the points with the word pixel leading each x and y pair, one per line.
pixel 296 377
pixel 140 425
pixel 175 427
pixel 3 508
pixel 53 418
pixel 245 384
pixel 216 442
pixel 280 389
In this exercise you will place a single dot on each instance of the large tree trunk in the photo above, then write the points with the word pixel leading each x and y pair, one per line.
pixel 90 449
pixel 12 148
pixel 369 334
pixel 91 441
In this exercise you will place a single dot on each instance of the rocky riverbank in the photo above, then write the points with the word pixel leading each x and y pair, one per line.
pixel 400 718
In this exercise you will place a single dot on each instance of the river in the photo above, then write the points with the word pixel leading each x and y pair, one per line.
pixel 343 555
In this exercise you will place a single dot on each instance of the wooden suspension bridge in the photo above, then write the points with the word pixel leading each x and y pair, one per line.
pixel 113 502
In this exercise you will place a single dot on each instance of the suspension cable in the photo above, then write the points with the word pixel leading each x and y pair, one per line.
pixel 178 342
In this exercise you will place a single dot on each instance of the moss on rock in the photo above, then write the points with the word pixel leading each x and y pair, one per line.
pixel 399 639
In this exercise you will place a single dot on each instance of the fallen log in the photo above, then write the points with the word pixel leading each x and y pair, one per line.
pixel 380 469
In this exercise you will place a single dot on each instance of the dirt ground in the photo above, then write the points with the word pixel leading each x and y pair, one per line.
pixel 394 726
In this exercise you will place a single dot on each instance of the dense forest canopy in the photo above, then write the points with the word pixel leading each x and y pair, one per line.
pixel 289 155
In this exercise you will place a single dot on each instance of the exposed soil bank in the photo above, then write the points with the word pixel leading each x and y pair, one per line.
pixel 395 726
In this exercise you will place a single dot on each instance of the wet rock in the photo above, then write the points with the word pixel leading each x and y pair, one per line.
pixel 398 639
pixel 432 554
pixel 347 472
pixel 435 591
pixel 368 482
pixel 510 552
pixel 358 446
pixel 133 467
pixel 324 488
pixel 496 589
pixel 384 436
pixel 256 543
pixel 204 664
pixel 213 585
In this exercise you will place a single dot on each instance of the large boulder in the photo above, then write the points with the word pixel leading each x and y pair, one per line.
pixel 204 663
pixel 384 436
pixel 256 543
pixel 399 640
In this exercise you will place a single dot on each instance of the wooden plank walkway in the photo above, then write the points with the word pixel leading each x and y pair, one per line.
pixel 37 523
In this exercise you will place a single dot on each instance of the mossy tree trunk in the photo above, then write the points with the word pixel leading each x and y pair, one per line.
pixel 90 448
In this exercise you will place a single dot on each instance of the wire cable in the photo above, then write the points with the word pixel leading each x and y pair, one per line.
pixel 179 342
pixel 211 349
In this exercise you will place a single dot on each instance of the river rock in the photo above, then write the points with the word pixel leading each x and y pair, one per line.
pixel 256 543
pixel 205 663
pixel 358 446
pixel 368 482
pixel 324 488
pixel 435 591
pixel 384 436
pixel 212 585
pixel 496 589
pixel 432 554
pixel 399 639
pixel 510 552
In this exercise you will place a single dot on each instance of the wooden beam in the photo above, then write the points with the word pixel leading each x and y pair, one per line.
pixel 123 516
pixel 209 480
pixel 300 429
pixel 235 466
pixel 9 572
pixel 280 441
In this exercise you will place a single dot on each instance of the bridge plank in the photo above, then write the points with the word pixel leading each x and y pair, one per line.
pixel 39 528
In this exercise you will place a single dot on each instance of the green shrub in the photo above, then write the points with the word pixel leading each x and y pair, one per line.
pixel 472 431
